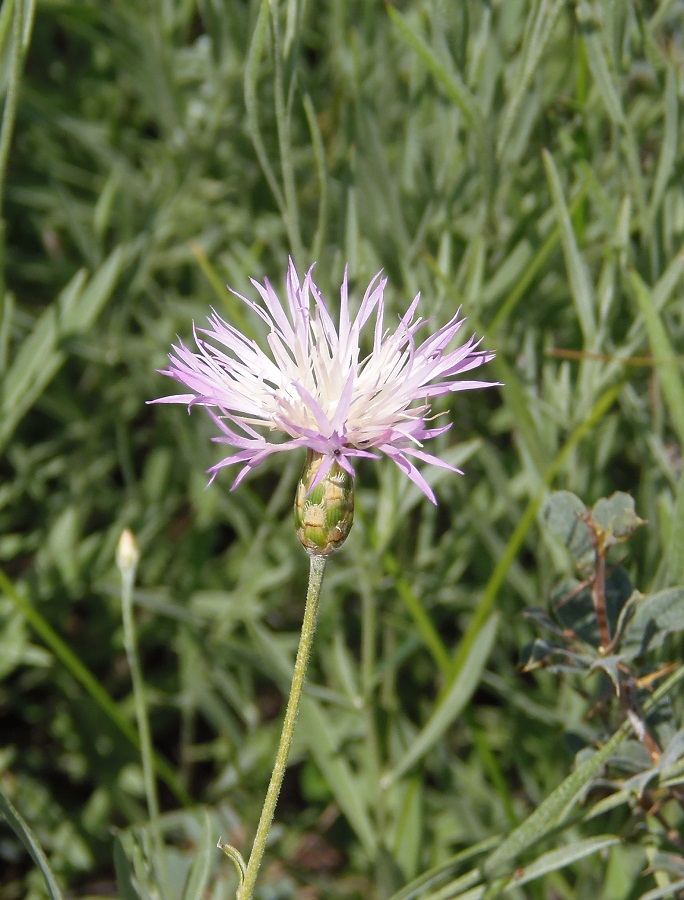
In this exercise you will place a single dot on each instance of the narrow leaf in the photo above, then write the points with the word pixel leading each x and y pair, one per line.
pixel 454 698
pixel 580 284
pixel 198 877
pixel 535 42
pixel 347 789
pixel 30 842
pixel 452 83
pixel 663 352
pixel 559 859
pixel 42 353
pixel 553 808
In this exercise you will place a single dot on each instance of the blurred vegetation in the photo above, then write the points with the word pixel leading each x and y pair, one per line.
pixel 521 159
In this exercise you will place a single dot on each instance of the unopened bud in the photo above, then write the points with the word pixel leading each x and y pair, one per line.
pixel 127 553
pixel 323 514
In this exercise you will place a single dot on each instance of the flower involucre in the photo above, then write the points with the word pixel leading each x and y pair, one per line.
pixel 313 386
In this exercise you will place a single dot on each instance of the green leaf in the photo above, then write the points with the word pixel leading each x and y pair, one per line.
pixel 256 49
pixel 452 83
pixel 30 842
pixel 673 561
pixel 124 872
pixel 134 865
pixel 559 859
pixel 452 702
pixel 578 276
pixel 537 34
pixel 590 28
pixel 348 791
pixel 409 829
pixel 198 877
pixel 525 522
pixel 669 146
pixel 616 515
pixel 562 514
pixel 42 353
pixel 416 890
pixel 656 616
pixel 663 352
pixel 552 810
pixel 666 892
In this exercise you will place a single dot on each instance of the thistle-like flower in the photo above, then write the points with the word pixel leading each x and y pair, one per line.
pixel 314 389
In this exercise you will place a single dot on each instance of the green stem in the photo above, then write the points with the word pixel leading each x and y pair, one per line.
pixel 316 570
pixel 146 751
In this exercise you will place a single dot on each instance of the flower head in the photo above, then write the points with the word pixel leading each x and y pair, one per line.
pixel 313 388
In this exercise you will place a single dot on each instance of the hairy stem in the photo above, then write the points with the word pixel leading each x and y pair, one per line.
pixel 316 570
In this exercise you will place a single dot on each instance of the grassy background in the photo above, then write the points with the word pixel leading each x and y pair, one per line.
pixel 522 159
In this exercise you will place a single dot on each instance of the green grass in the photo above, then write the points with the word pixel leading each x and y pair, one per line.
pixel 521 159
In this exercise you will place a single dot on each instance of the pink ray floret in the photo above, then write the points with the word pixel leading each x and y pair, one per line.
pixel 313 389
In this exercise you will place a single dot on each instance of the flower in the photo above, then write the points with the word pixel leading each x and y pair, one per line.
pixel 313 386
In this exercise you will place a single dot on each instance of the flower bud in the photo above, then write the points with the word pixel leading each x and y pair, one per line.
pixel 323 514
pixel 127 553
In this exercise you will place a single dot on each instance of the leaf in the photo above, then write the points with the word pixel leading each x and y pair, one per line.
pixel 198 877
pixel 656 616
pixel 673 560
pixel 124 872
pixel 407 841
pixel 574 609
pixel 416 890
pixel 553 808
pixel 453 700
pixel 85 677
pixel 667 765
pixel 30 842
pixel 578 276
pixel 452 83
pixel 42 353
pixel 591 35
pixel 525 522
pixel 133 866
pixel 562 514
pixel 667 159
pixel 559 859
pixel 664 893
pixel 347 789
pixel 663 352
pixel 537 655
pixel 550 812
pixel 537 35
pixel 616 515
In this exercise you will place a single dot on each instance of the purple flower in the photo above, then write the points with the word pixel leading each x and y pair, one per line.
pixel 313 385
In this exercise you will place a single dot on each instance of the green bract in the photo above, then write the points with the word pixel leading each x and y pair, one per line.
pixel 324 513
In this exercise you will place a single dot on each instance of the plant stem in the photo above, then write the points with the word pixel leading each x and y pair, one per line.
pixel 146 752
pixel 316 570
